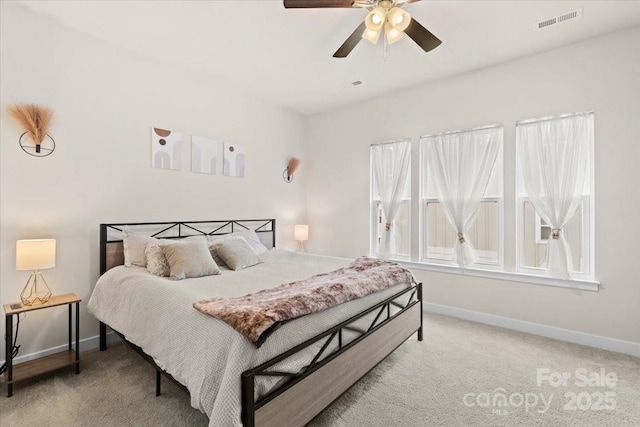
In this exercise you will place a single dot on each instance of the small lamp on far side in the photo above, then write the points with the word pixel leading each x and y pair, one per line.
pixel 35 255
pixel 301 234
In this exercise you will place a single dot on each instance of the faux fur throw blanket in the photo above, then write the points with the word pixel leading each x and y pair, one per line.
pixel 259 314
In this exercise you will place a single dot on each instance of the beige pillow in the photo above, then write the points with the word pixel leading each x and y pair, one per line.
pixel 237 254
pixel 189 259
pixel 216 244
pixel 156 261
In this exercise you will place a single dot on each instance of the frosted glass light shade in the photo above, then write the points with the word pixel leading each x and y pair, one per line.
pixel 399 18
pixel 393 35
pixel 375 19
pixel 371 35
pixel 37 254
pixel 301 233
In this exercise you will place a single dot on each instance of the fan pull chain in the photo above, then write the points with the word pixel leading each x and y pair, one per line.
pixel 384 50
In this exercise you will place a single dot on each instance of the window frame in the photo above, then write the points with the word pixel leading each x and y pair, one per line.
pixel 513 271
pixel 587 248
pixel 538 229
pixel 424 236
pixel 374 203
pixel 423 231
pixel 374 244
pixel 588 214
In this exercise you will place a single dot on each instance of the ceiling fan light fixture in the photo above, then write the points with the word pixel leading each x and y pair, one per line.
pixel 399 18
pixel 382 15
pixel 393 34
pixel 371 35
pixel 375 19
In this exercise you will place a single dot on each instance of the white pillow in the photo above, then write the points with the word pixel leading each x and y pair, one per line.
pixel 134 245
pixel 249 235
pixel 254 241
pixel 238 254
pixel 189 259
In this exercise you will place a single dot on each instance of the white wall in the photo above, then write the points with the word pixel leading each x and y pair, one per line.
pixel 603 75
pixel 105 101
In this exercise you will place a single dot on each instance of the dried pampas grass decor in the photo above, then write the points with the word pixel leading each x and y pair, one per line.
pixel 293 164
pixel 36 121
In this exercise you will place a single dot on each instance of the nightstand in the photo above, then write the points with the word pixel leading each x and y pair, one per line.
pixel 32 368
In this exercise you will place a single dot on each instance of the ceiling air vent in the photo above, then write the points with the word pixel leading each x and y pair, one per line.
pixel 558 19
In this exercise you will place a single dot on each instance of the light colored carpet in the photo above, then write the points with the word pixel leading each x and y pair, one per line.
pixel 421 384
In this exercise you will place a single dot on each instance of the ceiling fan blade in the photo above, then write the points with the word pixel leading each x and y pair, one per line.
pixel 422 36
pixel 350 43
pixel 297 4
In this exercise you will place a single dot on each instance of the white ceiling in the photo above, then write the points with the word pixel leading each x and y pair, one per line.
pixel 284 56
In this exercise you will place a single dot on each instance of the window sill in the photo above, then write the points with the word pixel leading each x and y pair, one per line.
pixel 586 285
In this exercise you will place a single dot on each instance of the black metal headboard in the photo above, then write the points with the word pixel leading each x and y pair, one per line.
pixel 111 252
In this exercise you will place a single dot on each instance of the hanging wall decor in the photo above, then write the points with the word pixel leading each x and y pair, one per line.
pixel 204 155
pixel 36 122
pixel 166 149
pixel 234 160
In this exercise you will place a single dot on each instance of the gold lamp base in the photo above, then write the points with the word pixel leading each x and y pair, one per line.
pixel 300 248
pixel 35 293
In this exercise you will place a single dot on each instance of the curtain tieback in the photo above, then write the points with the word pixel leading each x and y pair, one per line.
pixel 461 238
pixel 387 226
pixel 555 233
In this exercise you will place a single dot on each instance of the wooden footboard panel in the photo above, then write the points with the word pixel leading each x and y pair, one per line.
pixel 300 403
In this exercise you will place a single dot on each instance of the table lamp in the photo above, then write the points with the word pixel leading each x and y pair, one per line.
pixel 35 255
pixel 301 234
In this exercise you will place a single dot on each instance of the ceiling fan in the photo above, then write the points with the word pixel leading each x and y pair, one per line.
pixel 384 16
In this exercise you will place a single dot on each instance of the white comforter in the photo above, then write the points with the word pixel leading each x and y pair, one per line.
pixel 201 352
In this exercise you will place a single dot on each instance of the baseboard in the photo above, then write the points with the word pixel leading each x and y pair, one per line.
pixel 85 344
pixel 611 344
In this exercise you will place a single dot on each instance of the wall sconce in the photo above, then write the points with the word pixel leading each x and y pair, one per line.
pixel 301 234
pixel 293 164
pixel 36 122
pixel 35 255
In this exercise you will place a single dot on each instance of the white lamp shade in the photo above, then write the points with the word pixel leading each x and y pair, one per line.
pixel 37 254
pixel 301 233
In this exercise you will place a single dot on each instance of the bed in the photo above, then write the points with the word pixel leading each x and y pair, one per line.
pixel 302 367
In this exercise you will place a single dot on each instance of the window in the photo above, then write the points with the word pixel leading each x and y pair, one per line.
pixel 438 236
pixel 561 190
pixel 401 243
pixel 551 212
pixel 393 155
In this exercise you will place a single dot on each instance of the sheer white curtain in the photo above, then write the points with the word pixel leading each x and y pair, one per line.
pixel 554 155
pixel 391 163
pixel 460 164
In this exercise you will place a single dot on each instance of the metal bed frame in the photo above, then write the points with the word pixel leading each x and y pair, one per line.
pixel 306 393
